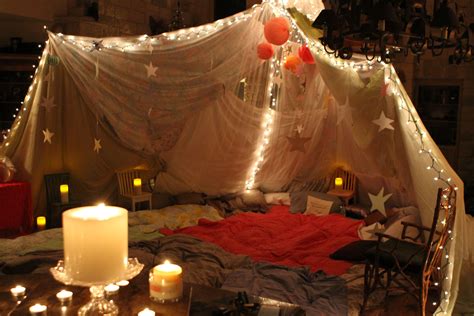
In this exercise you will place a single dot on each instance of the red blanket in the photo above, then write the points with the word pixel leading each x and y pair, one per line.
pixel 281 237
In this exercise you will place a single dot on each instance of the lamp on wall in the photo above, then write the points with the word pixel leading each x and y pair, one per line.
pixel 381 29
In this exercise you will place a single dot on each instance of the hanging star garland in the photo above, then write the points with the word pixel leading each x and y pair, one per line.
pixel 377 229
pixel 297 142
pixel 48 135
pixel 383 122
pixel 47 77
pixel 150 70
pixel 48 103
pixel 384 89
pixel 96 45
pixel 378 201
pixel 97 145
pixel 149 46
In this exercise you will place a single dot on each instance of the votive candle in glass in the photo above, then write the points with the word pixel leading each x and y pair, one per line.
pixel 64 191
pixel 137 186
pixel 146 312
pixel 38 310
pixel 64 296
pixel 166 282
pixel 18 291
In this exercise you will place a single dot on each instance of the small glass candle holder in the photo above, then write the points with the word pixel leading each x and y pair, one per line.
pixel 111 289
pixel 166 283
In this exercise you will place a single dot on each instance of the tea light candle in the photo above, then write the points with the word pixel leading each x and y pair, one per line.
pixel 64 296
pixel 122 283
pixel 338 183
pixel 111 289
pixel 166 282
pixel 38 309
pixel 137 186
pixel 41 222
pixel 96 243
pixel 18 291
pixel 64 190
pixel 146 312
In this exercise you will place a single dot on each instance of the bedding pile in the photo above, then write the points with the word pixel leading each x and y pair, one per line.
pixel 279 237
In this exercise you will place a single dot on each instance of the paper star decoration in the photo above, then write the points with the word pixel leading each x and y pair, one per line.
pixel 149 46
pixel 47 136
pixel 150 70
pixel 48 103
pixel 278 80
pixel 377 229
pixel 383 122
pixel 297 143
pixel 344 112
pixel 299 128
pixel 378 201
pixel 47 77
pixel 97 145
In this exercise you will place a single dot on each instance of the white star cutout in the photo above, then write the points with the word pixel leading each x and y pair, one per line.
pixel 299 128
pixel 278 80
pixel 383 122
pixel 47 77
pixel 150 70
pixel 47 136
pixel 344 112
pixel 48 103
pixel 149 46
pixel 97 145
pixel 378 201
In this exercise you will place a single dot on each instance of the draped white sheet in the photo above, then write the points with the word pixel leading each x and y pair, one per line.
pixel 191 121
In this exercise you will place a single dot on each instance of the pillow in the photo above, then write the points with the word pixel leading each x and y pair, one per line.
pixel 316 206
pixel 396 228
pixel 191 198
pixel 396 213
pixel 299 201
pixel 280 198
pixel 161 200
pixel 374 217
pixel 353 252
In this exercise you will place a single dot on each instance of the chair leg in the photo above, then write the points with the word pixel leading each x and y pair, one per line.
pixel 133 205
pixel 368 279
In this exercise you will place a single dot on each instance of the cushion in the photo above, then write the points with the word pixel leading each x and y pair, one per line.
pixel 396 228
pixel 161 200
pixel 374 217
pixel 279 198
pixel 407 253
pixel 317 206
pixel 299 201
pixel 190 198
pixel 353 252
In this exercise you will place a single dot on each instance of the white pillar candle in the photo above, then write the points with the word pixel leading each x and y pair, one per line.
pixel 146 312
pixel 166 282
pixel 95 243
pixel 18 290
pixel 38 309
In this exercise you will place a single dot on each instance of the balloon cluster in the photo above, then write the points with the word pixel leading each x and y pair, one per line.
pixel 277 32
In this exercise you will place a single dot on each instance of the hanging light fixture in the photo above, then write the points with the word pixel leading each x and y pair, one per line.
pixel 381 29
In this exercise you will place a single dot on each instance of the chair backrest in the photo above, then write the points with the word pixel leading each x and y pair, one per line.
pixel 440 234
pixel 348 179
pixel 125 180
pixel 52 183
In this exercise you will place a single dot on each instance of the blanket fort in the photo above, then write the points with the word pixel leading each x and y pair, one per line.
pixel 200 103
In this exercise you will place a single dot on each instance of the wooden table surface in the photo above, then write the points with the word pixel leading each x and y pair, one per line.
pixel 131 299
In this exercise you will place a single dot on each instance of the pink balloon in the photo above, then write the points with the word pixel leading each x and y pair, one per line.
pixel 265 51
pixel 305 54
pixel 277 31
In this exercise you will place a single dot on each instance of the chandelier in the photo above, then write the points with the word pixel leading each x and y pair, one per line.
pixel 381 29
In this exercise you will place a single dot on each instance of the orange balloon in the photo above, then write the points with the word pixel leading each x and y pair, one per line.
pixel 293 63
pixel 277 31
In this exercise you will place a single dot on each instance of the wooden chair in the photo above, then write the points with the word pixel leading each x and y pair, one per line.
pixel 126 189
pixel 416 268
pixel 348 190
pixel 55 207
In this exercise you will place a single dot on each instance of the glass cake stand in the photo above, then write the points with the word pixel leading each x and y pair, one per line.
pixel 98 305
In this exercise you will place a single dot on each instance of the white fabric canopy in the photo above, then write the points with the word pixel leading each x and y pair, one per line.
pixel 192 106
